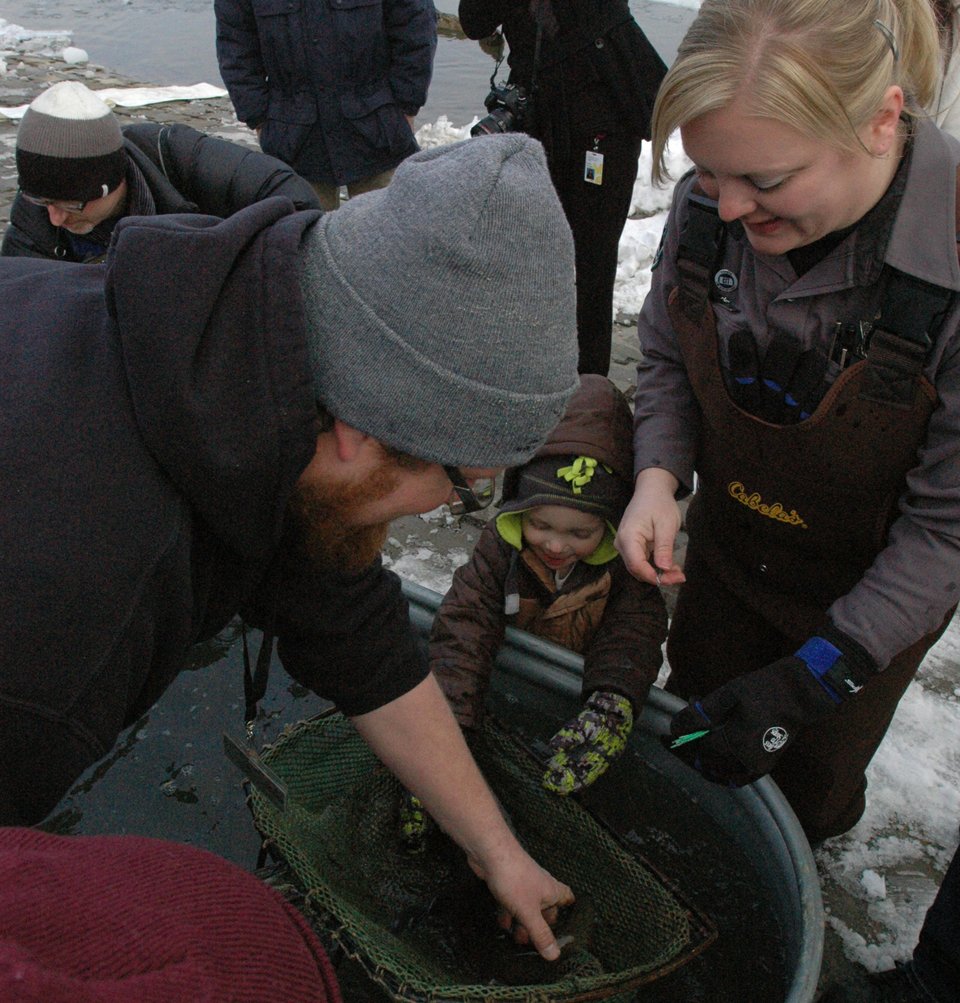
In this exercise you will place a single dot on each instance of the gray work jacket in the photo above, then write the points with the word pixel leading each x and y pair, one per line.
pixel 914 579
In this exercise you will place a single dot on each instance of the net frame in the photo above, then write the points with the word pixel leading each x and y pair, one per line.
pixel 331 740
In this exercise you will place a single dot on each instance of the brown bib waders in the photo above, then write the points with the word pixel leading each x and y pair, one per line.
pixel 785 520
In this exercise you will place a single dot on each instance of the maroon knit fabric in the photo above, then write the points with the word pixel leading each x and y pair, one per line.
pixel 126 919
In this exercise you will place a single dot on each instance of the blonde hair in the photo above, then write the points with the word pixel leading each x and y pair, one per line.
pixel 820 66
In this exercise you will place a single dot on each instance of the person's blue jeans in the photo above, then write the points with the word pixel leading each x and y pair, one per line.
pixel 936 958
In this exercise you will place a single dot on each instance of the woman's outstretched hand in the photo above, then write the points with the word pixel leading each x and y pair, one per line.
pixel 649 527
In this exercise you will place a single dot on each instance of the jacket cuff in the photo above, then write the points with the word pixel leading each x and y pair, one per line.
pixel 838 662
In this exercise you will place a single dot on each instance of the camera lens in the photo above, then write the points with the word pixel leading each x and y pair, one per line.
pixel 499 120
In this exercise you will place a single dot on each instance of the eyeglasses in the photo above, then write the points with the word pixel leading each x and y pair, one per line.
pixel 61 204
pixel 473 494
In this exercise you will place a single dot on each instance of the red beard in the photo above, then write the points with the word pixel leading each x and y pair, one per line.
pixel 321 515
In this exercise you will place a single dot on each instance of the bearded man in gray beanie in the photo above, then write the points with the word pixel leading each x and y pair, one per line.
pixel 226 419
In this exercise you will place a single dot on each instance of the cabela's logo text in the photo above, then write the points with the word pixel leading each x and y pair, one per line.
pixel 775 511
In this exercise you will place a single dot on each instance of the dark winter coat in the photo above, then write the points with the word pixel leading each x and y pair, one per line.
pixel 184 171
pixel 157 412
pixel 329 83
pixel 597 73
pixel 601 611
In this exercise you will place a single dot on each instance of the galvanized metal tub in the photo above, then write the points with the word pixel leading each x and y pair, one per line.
pixel 756 820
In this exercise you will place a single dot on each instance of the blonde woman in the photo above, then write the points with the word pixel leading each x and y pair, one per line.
pixel 801 356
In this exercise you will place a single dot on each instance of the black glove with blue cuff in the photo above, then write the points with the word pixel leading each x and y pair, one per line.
pixel 736 734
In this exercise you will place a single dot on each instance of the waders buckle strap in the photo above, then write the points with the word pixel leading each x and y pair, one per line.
pixel 910 314
pixel 697 256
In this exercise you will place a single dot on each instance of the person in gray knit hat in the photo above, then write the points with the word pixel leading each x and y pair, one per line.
pixel 225 419
pixel 80 172
pixel 433 279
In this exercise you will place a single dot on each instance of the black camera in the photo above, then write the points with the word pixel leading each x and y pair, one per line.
pixel 509 111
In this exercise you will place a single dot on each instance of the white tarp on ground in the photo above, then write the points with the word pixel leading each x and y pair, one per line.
pixel 137 97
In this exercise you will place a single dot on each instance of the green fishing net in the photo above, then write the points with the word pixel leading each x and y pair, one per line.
pixel 422 925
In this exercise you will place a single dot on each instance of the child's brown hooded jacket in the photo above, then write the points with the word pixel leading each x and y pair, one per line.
pixel 615 621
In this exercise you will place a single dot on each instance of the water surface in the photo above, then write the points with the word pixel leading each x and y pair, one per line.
pixel 172 42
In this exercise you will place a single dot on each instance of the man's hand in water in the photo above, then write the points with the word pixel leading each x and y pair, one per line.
pixel 418 739
pixel 532 885
pixel 530 897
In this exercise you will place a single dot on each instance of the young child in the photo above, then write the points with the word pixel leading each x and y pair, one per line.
pixel 547 564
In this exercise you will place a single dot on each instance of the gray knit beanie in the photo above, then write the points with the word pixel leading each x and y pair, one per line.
pixel 441 310
pixel 69 145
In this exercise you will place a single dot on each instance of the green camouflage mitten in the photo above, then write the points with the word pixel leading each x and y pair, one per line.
pixel 414 822
pixel 585 746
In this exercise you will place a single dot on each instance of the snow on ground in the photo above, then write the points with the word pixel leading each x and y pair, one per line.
pixel 137 97
pixel 894 857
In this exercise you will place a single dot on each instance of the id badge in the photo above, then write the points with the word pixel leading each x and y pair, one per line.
pixel 593 168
